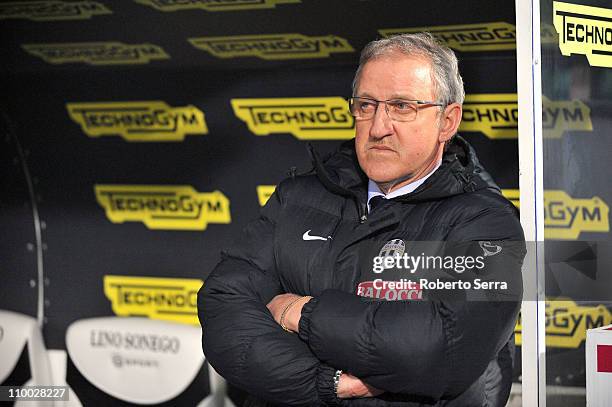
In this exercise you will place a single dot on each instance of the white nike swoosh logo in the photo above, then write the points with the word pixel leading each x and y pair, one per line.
pixel 307 236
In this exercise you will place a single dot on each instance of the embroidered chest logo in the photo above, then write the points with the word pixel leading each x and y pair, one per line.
pixel 489 248
pixel 307 236
pixel 393 248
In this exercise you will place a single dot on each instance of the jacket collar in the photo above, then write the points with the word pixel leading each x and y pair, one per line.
pixel 460 172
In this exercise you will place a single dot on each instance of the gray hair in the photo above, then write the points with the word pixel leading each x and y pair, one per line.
pixel 448 84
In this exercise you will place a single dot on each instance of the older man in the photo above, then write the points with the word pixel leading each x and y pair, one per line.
pixel 295 313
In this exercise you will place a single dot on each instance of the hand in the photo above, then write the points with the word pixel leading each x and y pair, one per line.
pixel 350 386
pixel 293 315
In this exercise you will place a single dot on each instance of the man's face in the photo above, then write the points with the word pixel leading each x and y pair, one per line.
pixel 390 151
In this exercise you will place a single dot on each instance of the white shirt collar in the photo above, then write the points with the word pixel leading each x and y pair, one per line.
pixel 374 190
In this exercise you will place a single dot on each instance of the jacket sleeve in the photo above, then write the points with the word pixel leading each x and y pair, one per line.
pixel 240 338
pixel 432 349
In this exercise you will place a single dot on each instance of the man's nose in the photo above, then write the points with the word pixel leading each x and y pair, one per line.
pixel 381 123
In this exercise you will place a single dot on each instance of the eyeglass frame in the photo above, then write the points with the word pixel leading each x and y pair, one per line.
pixel 378 102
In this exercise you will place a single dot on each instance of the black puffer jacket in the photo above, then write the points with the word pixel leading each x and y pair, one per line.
pixel 446 350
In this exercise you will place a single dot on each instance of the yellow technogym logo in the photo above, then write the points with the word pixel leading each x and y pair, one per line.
pixel 584 30
pixel 176 207
pixel 559 116
pixel 213 5
pixel 496 116
pixel 264 192
pixel 96 53
pixel 497 36
pixel 566 217
pixel 323 118
pixel 168 299
pixel 138 121
pixel 272 46
pixel 567 323
pixel 52 10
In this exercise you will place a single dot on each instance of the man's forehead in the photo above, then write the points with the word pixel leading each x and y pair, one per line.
pixel 400 75
pixel 398 56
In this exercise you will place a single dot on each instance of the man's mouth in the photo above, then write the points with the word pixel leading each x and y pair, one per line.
pixel 380 147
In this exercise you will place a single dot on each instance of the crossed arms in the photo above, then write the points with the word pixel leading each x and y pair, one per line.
pixel 427 349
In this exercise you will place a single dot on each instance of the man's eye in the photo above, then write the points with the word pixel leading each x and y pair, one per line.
pixel 402 106
pixel 366 106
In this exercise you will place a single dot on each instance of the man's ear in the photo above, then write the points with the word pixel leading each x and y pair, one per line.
pixel 449 121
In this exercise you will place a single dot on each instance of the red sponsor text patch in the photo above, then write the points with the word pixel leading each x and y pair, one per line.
pixel 390 290
pixel 604 358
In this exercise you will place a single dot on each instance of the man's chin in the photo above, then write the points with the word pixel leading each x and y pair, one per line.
pixel 383 172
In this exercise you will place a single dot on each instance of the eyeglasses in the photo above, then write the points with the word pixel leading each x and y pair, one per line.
pixel 400 110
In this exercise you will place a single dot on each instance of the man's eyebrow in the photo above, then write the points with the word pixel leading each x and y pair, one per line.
pixel 403 96
pixel 395 96
pixel 365 95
